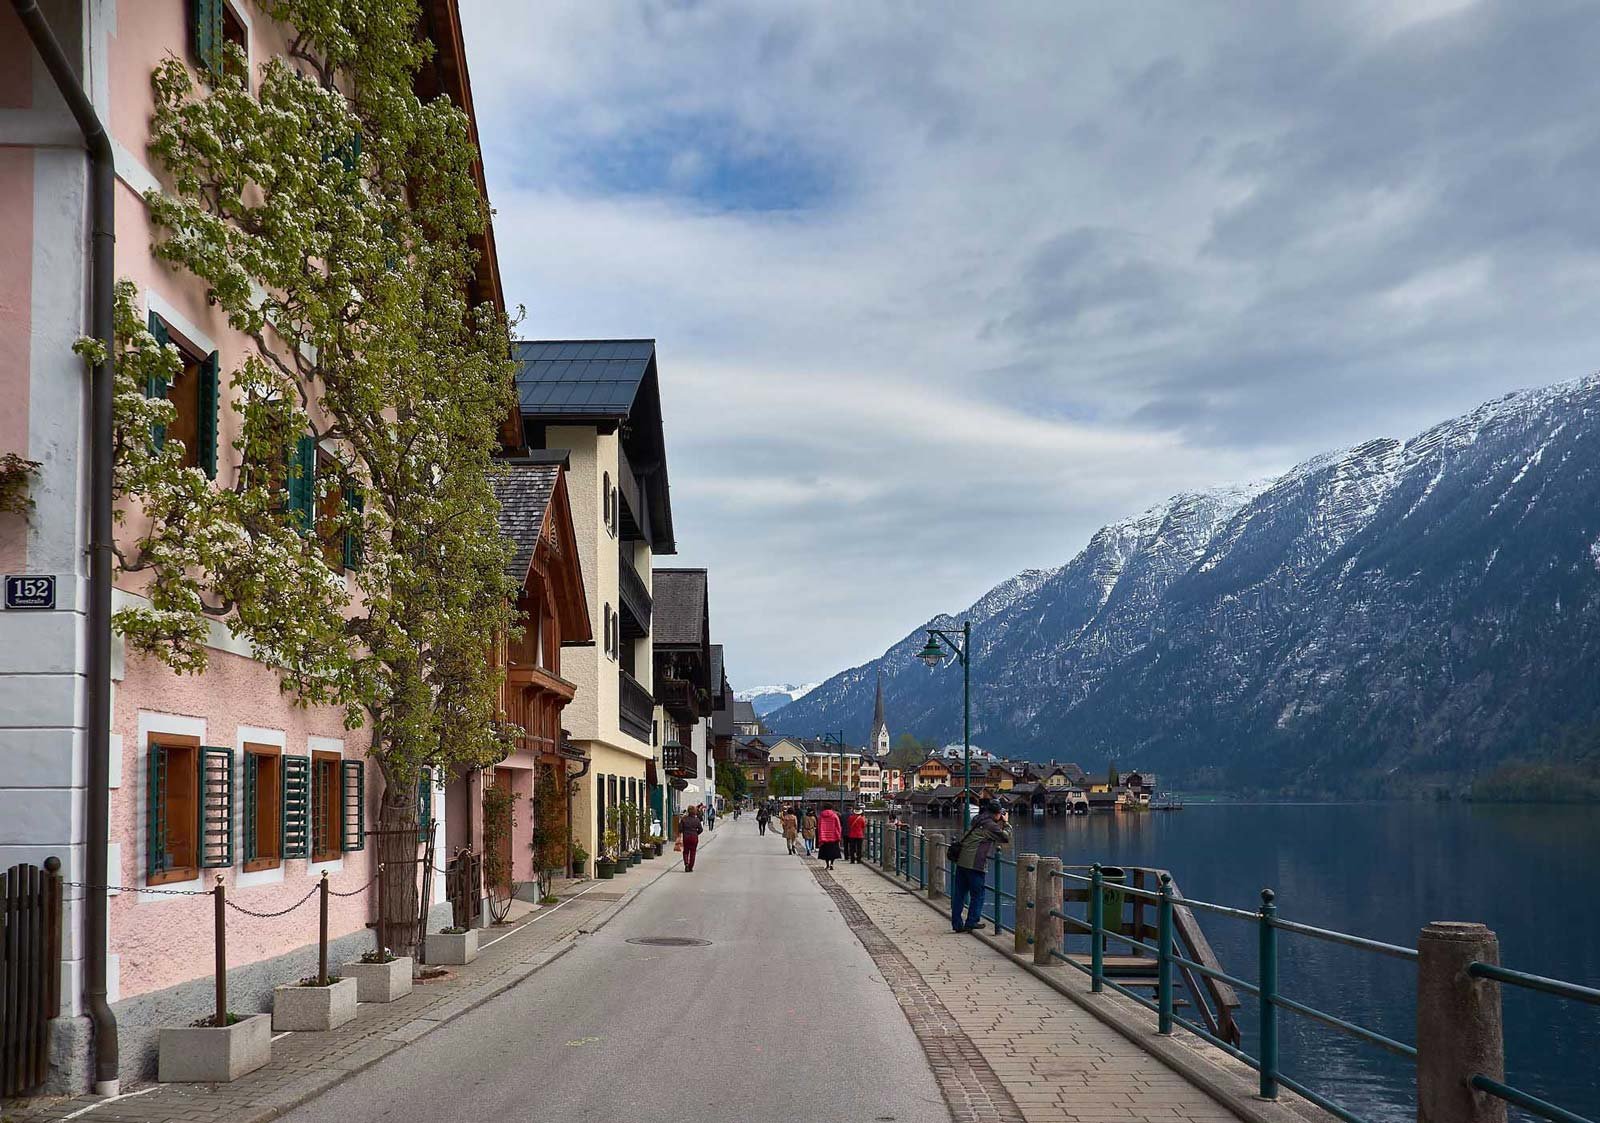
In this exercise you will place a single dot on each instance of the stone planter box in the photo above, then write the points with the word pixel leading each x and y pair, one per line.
pixel 213 1053
pixel 380 982
pixel 313 1009
pixel 456 948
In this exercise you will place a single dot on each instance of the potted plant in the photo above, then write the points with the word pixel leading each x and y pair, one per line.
pixel 380 975
pixel 654 842
pixel 580 858
pixel 456 946
pixel 605 868
pixel 314 1004
pixel 207 1052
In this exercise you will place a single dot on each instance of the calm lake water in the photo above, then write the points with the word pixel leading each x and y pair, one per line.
pixel 1382 871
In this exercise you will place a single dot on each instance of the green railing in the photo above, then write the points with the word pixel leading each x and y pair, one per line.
pixel 1543 985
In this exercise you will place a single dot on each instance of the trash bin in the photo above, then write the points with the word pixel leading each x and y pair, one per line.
pixel 1112 878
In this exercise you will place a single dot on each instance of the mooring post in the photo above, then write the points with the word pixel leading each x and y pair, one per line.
pixel 936 869
pixel 220 945
pixel 1047 894
pixel 1027 886
pixel 1459 1032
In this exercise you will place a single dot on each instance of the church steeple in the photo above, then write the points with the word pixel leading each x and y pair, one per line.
pixel 880 728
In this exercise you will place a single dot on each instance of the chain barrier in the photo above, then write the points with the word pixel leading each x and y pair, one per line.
pixel 332 892
pixel 137 889
pixel 315 889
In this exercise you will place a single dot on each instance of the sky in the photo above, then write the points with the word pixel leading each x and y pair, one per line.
pixel 940 288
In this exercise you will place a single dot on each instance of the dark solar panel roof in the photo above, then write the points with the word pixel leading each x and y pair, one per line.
pixel 524 493
pixel 580 377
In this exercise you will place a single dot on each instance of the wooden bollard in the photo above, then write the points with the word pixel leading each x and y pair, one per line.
pixel 1027 894
pixel 1046 896
pixel 1459 1032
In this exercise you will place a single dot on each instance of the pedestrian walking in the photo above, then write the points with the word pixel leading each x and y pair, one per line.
pixel 808 831
pixel 762 818
pixel 689 828
pixel 855 836
pixel 830 835
pixel 989 830
pixel 711 816
pixel 791 827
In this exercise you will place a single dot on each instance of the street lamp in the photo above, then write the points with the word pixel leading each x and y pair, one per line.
pixel 836 739
pixel 959 645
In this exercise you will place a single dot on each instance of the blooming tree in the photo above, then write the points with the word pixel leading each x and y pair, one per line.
pixel 331 214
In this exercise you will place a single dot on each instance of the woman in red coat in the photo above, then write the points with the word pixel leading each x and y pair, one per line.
pixel 829 835
pixel 855 836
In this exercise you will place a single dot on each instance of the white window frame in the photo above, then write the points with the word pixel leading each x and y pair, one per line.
pixel 322 745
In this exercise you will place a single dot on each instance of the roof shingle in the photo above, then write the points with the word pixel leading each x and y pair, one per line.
pixel 678 608
pixel 523 492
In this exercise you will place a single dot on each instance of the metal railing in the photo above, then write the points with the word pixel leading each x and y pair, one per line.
pixel 1541 984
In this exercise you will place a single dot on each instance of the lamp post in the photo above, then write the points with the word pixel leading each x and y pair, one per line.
pixel 960 645
pixel 836 739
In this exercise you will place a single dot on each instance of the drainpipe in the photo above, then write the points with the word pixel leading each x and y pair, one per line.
pixel 102 180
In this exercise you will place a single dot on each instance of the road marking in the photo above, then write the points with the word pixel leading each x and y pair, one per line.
pixel 285 1033
pixel 536 919
pixel 110 1100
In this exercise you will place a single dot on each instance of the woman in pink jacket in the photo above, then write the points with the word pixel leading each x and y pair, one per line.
pixel 829 835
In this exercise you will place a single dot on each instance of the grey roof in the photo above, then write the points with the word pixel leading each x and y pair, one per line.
pixel 716 667
pixel 523 492
pixel 580 377
pixel 678 607
pixel 744 713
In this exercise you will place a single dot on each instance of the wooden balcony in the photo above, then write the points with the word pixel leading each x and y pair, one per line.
pixel 635 707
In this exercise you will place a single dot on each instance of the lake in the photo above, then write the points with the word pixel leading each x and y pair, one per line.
pixel 1382 870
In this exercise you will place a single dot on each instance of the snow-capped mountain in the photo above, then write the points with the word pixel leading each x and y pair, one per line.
pixel 765 699
pixel 1372 620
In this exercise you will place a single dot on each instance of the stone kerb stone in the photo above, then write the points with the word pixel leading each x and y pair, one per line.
pixel 313 1009
pixel 212 1054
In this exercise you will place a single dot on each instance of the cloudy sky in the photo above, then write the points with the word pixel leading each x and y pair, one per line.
pixel 939 287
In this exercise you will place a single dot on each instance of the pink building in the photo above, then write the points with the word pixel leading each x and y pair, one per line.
pixel 298 793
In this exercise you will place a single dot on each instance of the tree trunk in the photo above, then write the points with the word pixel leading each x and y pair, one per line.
pixel 402 855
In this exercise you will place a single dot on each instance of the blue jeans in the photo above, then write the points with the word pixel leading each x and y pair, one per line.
pixel 966 886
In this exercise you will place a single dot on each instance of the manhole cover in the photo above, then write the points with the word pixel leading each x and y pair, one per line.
pixel 670 941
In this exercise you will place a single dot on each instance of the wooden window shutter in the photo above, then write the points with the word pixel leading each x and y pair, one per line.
pixel 155 850
pixel 252 804
pixel 356 502
pixel 303 485
pixel 216 807
pixel 210 401
pixel 155 385
pixel 206 35
pixel 296 804
pixel 424 805
pixel 353 809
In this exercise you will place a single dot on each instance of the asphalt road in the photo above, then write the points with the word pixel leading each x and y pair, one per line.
pixel 781 1018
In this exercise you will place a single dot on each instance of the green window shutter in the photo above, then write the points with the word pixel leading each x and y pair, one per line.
pixel 354 501
pixel 252 804
pixel 303 485
pixel 205 30
pixel 353 812
pixel 296 805
pixel 155 385
pixel 210 398
pixel 425 805
pixel 216 807
pixel 155 850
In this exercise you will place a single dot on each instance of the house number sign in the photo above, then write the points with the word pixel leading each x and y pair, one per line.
pixel 30 592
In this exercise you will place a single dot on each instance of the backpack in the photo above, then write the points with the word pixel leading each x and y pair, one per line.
pixel 953 851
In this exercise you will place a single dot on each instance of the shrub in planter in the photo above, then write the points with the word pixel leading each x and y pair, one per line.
pixel 605 869
pixel 211 1053
pixel 381 976
pixel 312 1006
pixel 452 945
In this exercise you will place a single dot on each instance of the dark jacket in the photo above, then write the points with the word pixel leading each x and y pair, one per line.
pixel 690 825
pixel 986 832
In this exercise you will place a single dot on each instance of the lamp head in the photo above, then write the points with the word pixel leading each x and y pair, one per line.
pixel 932 654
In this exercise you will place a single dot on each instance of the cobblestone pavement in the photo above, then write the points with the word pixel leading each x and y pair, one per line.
pixel 306 1064
pixel 1054 1061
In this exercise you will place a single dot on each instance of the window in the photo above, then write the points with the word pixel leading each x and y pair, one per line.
pixel 195 396
pixel 325 817
pixel 189 812
pixel 611 649
pixel 605 502
pixel 263 807
pixel 233 29
pixel 213 25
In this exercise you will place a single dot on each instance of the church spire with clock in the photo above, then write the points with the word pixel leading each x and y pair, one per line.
pixel 879 742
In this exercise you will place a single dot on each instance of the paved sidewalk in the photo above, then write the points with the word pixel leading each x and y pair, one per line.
pixel 1055 1060
pixel 306 1064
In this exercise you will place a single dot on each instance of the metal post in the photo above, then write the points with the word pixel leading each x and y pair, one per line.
pixel 1459 1032
pixel 1046 928
pixel 922 860
pixel 383 933
pixel 966 720
pixel 220 943
pixel 1267 976
pixel 1164 959
pixel 1097 923
pixel 322 933
pixel 1027 887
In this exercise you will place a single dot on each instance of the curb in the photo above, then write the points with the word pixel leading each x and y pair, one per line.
pixel 1230 1084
